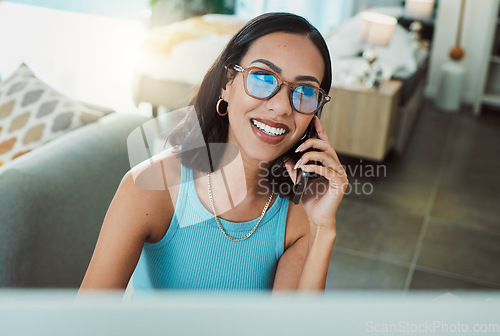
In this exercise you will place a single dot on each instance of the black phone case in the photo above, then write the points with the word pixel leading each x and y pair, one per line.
pixel 303 178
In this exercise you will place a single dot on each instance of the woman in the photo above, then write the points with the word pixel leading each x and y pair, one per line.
pixel 260 96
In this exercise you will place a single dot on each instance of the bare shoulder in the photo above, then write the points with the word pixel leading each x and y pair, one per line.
pixel 140 212
pixel 149 190
pixel 296 242
pixel 297 224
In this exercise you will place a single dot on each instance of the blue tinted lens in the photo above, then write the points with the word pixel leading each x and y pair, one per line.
pixel 306 99
pixel 261 84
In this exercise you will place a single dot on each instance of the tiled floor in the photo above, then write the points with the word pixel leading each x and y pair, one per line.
pixel 428 218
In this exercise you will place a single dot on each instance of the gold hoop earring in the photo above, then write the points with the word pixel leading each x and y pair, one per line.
pixel 218 106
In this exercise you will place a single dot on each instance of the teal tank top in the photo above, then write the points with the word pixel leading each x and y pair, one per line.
pixel 195 254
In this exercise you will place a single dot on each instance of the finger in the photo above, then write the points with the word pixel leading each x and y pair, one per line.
pixel 319 144
pixel 335 180
pixel 289 165
pixel 325 160
pixel 315 143
pixel 320 129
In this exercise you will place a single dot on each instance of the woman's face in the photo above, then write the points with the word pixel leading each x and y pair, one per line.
pixel 294 58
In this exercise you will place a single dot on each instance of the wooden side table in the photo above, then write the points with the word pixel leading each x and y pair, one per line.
pixel 360 121
pixel 172 95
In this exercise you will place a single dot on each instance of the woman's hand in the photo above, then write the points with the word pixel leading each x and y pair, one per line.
pixel 323 195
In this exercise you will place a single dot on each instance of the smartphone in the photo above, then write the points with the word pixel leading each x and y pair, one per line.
pixel 303 177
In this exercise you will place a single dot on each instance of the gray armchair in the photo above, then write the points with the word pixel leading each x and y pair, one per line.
pixel 54 199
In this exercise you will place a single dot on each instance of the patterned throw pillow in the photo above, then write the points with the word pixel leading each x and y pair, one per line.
pixel 32 113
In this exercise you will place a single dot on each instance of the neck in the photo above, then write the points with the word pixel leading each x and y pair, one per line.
pixel 244 173
pixel 237 181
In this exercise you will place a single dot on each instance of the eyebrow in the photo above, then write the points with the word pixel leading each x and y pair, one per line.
pixel 307 78
pixel 277 69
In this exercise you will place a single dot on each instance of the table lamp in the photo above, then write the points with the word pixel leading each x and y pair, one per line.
pixel 449 97
pixel 376 30
pixel 418 10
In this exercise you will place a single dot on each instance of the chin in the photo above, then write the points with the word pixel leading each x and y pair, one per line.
pixel 265 153
pixel 262 147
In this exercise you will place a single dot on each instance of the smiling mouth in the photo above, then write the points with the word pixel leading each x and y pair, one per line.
pixel 273 131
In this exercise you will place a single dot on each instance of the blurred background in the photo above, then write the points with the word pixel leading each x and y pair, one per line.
pixel 414 117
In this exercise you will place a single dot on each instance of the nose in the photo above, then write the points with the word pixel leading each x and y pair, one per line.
pixel 280 101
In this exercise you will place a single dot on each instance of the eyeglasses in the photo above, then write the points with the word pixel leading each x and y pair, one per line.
pixel 262 84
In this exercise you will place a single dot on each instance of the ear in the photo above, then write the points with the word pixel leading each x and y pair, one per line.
pixel 226 88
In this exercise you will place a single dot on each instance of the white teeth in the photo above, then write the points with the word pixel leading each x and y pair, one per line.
pixel 268 129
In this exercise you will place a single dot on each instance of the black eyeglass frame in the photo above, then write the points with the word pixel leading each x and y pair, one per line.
pixel 292 86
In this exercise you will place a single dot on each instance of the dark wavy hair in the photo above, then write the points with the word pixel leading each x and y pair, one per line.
pixel 214 128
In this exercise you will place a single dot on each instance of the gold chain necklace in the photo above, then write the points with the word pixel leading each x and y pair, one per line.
pixel 220 225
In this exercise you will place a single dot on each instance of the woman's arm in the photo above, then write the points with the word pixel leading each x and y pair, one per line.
pixel 315 270
pixel 304 264
pixel 317 212
pixel 135 216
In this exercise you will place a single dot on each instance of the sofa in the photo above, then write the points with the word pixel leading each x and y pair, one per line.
pixel 53 201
